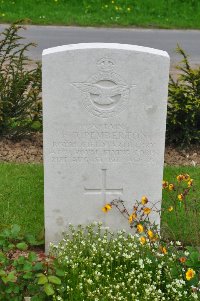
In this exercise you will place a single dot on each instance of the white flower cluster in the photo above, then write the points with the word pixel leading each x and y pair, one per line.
pixel 101 265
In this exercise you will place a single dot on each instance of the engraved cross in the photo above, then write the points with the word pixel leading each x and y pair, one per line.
pixel 104 190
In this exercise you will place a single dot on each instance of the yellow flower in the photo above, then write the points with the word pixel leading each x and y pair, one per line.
pixel 142 240
pixel 186 177
pixel 190 183
pixel 146 210
pixel 171 208
pixel 164 184
pixel 163 250
pixel 180 178
pixel 150 234
pixel 171 187
pixel 190 274
pixel 132 217
pixel 106 208
pixel 144 200
pixel 128 9
pixel 180 197
pixel 140 228
pixel 116 7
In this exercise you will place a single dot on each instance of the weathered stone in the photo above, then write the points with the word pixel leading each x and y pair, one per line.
pixel 104 131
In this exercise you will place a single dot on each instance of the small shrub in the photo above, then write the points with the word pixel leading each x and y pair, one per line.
pixel 20 87
pixel 183 119
pixel 23 271
pixel 19 267
pixel 101 265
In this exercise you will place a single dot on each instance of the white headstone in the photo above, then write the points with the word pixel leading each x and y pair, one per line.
pixel 104 108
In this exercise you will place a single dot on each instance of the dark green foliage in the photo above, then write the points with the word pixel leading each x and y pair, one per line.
pixel 19 266
pixel 183 120
pixel 20 87
pixel 23 272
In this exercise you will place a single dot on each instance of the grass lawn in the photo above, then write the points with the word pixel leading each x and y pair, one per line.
pixel 21 201
pixel 21 196
pixel 148 13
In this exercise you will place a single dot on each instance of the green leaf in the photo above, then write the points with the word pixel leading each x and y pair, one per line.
pixel 11 277
pixel 21 260
pixel 42 279
pixel 9 290
pixel 22 246
pixel 28 275
pixel 54 279
pixel 11 247
pixel 28 266
pixel 195 256
pixel 16 289
pixel 2 273
pixel 31 239
pixel 36 125
pixel 175 271
pixel 48 288
pixel 32 256
pixel 6 233
pixel 15 230
pixel 2 242
pixel 60 272
pixel 38 266
pixel 39 275
pixel 4 279
pixel 2 257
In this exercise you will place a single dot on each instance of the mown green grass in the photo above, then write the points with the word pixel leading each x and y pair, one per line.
pixel 22 201
pixel 148 13
pixel 21 197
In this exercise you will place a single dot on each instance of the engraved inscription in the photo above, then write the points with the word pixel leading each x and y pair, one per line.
pixel 104 143
pixel 105 94
pixel 104 190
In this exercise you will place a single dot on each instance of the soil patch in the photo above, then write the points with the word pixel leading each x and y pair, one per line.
pixel 24 151
pixel 30 151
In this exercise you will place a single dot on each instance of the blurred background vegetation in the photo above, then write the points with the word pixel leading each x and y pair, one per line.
pixel 148 13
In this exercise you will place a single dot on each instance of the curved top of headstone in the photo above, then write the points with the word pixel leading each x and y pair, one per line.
pixel 117 46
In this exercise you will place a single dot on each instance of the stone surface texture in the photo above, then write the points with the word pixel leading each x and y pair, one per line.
pixel 104 108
